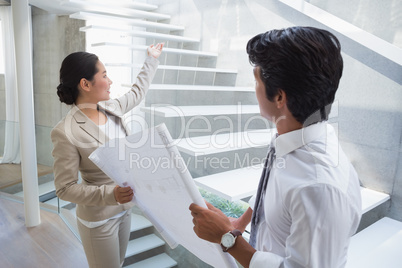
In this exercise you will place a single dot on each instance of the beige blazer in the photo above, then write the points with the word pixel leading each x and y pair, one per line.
pixel 75 137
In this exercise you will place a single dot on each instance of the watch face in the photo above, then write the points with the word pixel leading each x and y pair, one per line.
pixel 227 240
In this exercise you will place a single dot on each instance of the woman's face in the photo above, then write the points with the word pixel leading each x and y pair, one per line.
pixel 100 86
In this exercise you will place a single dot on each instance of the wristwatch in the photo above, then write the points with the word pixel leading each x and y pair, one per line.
pixel 228 240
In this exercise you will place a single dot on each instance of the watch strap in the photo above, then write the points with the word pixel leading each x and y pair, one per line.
pixel 235 233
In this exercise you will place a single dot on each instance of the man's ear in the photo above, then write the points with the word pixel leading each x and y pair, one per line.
pixel 84 84
pixel 280 99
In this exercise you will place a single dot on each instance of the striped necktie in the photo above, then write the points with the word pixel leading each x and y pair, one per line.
pixel 258 211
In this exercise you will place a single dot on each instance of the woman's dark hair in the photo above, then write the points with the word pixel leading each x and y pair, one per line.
pixel 74 67
pixel 305 63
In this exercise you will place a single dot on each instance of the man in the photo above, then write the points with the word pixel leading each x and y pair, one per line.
pixel 307 208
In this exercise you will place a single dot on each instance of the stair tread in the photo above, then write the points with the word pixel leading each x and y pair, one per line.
pixel 165 37
pixel 226 184
pixel 180 111
pixel 113 9
pixel 139 222
pixel 159 261
pixel 165 49
pixel 73 211
pixel 195 87
pixel 143 244
pixel 212 144
pixel 43 188
pixel 372 199
pixel 199 87
pixel 379 245
pixel 175 67
pixel 61 7
pixel 54 202
pixel 129 4
pixel 81 15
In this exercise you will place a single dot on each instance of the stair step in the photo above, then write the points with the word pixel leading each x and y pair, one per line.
pixel 372 199
pixel 142 244
pixel 220 143
pixel 205 110
pixel 113 9
pixel 139 222
pixel 379 245
pixel 165 37
pixel 159 261
pixel 125 3
pixel 197 88
pixel 43 188
pixel 165 49
pixel 232 185
pixel 134 22
pixel 62 7
pixel 172 67
pixel 73 211
pixel 54 202
pixel 226 185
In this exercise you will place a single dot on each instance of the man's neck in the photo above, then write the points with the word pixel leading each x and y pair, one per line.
pixel 288 124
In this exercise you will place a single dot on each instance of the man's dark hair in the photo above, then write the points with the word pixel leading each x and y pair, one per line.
pixel 305 63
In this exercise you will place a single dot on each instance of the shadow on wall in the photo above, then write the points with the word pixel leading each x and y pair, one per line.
pixel 371 139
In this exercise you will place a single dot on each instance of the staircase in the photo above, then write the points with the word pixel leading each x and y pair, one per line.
pixel 216 125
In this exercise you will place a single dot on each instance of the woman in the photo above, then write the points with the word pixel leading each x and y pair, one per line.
pixel 103 209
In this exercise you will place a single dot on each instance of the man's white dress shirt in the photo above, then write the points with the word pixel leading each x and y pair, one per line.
pixel 312 203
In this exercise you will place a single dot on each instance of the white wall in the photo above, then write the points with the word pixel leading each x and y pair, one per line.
pixel 54 37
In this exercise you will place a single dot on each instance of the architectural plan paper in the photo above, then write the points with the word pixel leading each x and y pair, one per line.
pixel 150 163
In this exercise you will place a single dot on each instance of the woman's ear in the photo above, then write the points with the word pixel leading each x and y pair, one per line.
pixel 84 84
pixel 280 99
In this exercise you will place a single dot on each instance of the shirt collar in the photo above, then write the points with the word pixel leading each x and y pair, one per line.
pixel 290 141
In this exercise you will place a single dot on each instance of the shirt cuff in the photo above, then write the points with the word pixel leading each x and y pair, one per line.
pixel 251 202
pixel 265 259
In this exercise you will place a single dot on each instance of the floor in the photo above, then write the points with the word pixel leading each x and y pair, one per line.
pixel 50 244
pixel 10 174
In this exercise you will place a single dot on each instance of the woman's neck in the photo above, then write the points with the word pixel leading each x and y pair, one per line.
pixel 90 109
pixel 86 104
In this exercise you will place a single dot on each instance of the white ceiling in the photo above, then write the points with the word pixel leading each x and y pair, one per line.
pixel 51 6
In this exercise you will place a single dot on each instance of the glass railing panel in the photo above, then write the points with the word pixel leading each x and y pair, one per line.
pixel 11 175
pixel 44 147
pixel 10 168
